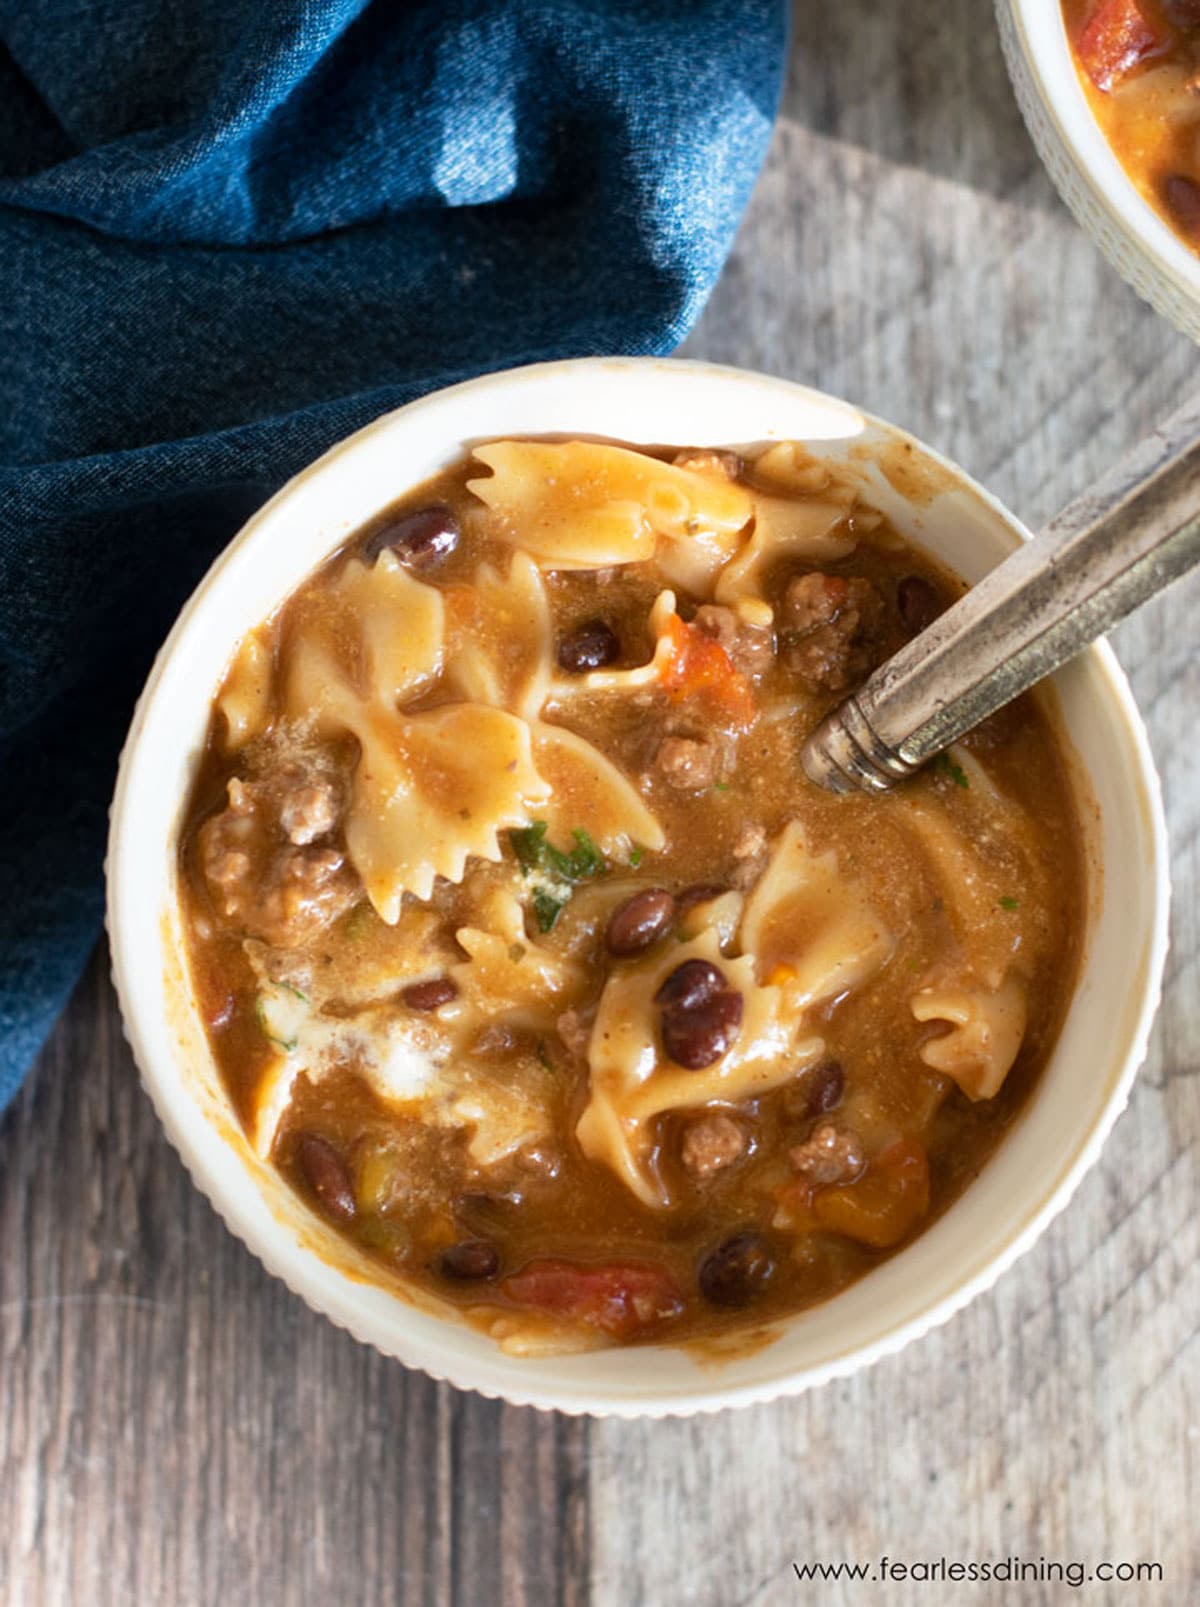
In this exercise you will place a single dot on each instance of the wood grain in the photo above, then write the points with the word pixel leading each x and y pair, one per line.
pixel 177 1429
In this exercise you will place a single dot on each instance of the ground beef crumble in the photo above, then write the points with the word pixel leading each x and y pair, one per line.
pixel 274 868
pixel 829 629
pixel 829 1155
pixel 711 1143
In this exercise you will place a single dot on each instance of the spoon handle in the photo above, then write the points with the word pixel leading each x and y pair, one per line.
pixel 1127 538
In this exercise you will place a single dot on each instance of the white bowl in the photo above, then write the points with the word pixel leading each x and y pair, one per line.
pixel 1087 174
pixel 1080 1095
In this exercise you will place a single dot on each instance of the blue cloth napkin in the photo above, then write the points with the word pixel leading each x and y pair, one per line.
pixel 231 232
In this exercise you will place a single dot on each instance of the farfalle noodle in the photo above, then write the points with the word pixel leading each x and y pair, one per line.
pixel 632 1082
pixel 245 698
pixel 987 1028
pixel 508 973
pixel 501 645
pixel 581 505
pixel 815 532
pixel 811 929
pixel 430 789
pixel 588 790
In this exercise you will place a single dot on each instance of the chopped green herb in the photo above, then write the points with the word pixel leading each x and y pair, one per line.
pixel 948 767
pixel 636 854
pixel 543 1057
pixel 529 844
pixel 281 1010
pixel 721 786
pixel 1009 903
pixel 546 908
pixel 286 1044
pixel 535 853
pixel 585 858
pixel 552 873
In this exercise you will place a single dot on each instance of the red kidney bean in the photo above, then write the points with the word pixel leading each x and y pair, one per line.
pixel 590 647
pixel 430 995
pixel 469 1262
pixel 697 1036
pixel 640 921
pixel 918 603
pixel 738 1271
pixel 690 984
pixel 420 540
pixel 327 1176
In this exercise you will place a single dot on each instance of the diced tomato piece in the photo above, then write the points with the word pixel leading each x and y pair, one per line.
pixel 885 1204
pixel 1117 37
pixel 700 665
pixel 620 1298
pixel 794 1207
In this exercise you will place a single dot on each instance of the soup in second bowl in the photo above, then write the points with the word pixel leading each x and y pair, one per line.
pixel 526 951
pixel 1139 62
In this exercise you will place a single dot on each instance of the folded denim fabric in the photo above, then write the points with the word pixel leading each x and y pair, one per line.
pixel 231 233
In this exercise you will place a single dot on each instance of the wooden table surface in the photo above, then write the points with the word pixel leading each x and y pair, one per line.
pixel 177 1428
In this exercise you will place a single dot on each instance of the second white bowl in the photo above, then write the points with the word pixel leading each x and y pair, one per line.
pixel 1087 174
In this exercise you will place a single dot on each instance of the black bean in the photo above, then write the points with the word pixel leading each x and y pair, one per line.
pixel 640 921
pixel 814 1092
pixel 697 1036
pixel 485 1212
pixel 590 647
pixel 1182 196
pixel 690 984
pixel 327 1176
pixel 823 1087
pixel 430 995
pixel 469 1262
pixel 701 1015
pixel 420 540
pixel 918 602
pixel 737 1271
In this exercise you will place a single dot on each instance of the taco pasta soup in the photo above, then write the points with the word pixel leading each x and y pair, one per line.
pixel 528 954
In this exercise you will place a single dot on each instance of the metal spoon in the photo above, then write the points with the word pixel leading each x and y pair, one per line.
pixel 1102 557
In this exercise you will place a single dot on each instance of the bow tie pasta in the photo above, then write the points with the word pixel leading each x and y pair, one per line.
pixel 632 1081
pixel 500 638
pixel 581 505
pixel 811 929
pixel 433 787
